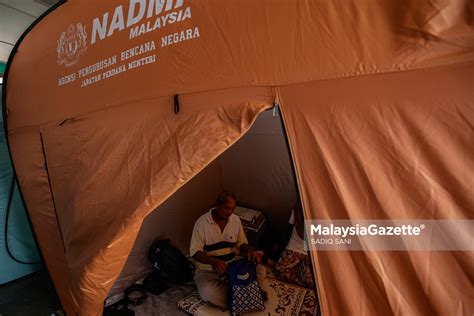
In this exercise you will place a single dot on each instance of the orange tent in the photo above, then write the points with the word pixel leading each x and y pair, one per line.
pixel 376 96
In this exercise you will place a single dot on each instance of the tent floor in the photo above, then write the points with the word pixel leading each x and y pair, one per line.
pixel 31 295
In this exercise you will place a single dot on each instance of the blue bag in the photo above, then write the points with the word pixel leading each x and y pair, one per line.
pixel 244 290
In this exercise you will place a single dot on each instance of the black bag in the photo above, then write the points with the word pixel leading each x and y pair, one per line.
pixel 154 283
pixel 170 263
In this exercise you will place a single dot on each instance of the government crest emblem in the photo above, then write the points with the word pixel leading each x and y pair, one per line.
pixel 71 45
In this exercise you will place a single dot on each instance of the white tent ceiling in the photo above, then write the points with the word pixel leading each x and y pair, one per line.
pixel 15 17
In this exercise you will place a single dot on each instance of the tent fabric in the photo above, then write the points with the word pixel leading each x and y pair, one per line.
pixel 93 158
pixel 18 251
pixel 370 138
pixel 161 153
pixel 20 256
pixel 257 43
pixel 34 182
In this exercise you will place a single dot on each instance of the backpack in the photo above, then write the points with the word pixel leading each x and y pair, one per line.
pixel 244 291
pixel 169 263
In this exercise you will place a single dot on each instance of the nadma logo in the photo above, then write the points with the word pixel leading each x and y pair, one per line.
pixel 71 45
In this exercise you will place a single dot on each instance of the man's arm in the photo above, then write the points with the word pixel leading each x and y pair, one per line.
pixel 246 251
pixel 218 265
pixel 196 251
pixel 244 248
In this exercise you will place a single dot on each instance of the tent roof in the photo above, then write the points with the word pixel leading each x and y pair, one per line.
pixel 209 45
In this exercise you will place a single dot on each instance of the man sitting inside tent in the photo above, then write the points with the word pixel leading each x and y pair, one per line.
pixel 217 238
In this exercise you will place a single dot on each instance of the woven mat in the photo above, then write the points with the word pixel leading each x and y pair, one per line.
pixel 283 299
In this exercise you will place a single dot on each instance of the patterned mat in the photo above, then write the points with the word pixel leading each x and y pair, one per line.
pixel 283 299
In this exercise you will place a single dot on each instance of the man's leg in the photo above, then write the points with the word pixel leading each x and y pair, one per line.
pixel 210 288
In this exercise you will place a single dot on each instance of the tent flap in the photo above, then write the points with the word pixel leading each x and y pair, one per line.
pixel 373 148
pixel 129 165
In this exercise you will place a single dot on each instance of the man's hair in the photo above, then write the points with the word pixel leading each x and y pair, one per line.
pixel 224 195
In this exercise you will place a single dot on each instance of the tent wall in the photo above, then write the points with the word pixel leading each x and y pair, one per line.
pixel 173 220
pixel 14 226
pixel 22 257
pixel 33 179
pixel 258 169
pixel 373 147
